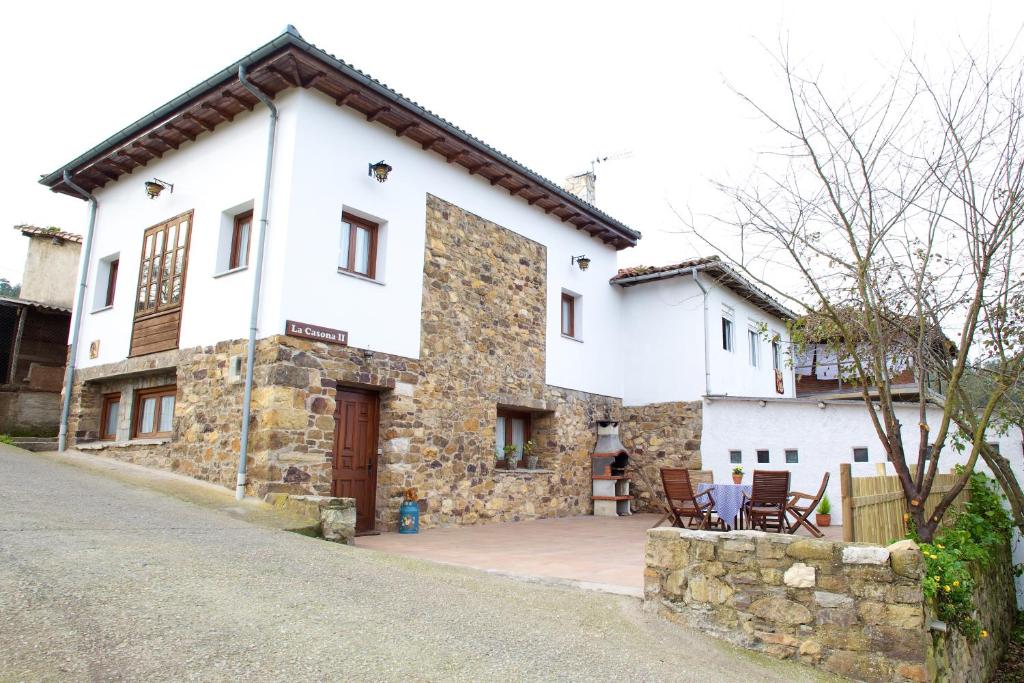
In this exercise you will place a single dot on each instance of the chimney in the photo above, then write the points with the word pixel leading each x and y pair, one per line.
pixel 582 186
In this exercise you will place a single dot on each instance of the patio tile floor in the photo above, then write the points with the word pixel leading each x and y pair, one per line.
pixel 605 553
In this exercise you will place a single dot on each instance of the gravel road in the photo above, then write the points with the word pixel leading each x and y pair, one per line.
pixel 103 580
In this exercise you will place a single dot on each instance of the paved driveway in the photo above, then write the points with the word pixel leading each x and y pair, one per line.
pixel 103 580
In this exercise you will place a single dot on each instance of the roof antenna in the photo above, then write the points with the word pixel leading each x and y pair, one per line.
pixel 625 154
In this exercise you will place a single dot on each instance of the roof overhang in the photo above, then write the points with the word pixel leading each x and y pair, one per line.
pixel 717 269
pixel 289 61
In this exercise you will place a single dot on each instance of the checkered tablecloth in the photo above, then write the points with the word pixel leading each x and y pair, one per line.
pixel 728 499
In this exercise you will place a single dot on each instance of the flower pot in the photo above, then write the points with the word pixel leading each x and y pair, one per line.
pixel 531 462
pixel 737 478
pixel 822 520
pixel 511 463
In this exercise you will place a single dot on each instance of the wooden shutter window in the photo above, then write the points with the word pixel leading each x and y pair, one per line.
pixel 161 290
pixel 154 412
pixel 568 315
pixel 241 235
pixel 358 249
pixel 111 282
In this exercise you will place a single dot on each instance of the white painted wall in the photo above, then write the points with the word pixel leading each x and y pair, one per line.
pixel 333 148
pixel 49 271
pixel 664 356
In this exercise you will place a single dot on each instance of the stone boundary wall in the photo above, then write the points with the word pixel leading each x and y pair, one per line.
pixel 853 609
pixel 660 435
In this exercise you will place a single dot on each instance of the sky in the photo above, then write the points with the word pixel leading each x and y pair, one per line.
pixel 554 85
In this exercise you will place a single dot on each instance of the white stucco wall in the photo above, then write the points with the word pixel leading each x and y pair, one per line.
pixel 49 274
pixel 664 356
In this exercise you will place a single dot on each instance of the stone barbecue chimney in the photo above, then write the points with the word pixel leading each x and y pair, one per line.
pixel 583 186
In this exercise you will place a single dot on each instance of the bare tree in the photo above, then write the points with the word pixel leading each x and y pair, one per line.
pixel 897 215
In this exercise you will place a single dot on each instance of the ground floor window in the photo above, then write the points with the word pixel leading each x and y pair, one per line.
pixel 735 457
pixel 860 455
pixel 109 416
pixel 792 456
pixel 762 457
pixel 513 428
pixel 154 412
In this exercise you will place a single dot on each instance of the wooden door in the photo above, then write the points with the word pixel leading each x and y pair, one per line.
pixel 355 453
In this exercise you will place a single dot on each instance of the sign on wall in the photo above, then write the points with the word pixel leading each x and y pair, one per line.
pixel 315 332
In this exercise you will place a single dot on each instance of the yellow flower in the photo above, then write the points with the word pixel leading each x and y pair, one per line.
pixel 956 584
pixel 946 588
pixel 939 546
pixel 938 578
pixel 934 557
pixel 984 633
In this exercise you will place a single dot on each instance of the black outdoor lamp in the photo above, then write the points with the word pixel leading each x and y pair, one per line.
pixel 379 171
pixel 155 186
pixel 582 261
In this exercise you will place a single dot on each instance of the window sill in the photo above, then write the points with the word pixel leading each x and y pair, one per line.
pixel 104 308
pixel 357 276
pixel 103 445
pixel 575 339
pixel 231 271
pixel 520 472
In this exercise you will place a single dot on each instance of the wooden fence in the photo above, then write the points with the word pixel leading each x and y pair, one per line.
pixel 873 507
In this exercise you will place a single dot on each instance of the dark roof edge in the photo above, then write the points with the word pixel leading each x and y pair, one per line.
pixel 732 279
pixel 291 37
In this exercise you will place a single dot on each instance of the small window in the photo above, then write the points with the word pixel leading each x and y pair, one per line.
pixel 154 412
pixel 776 354
pixel 512 428
pixel 754 347
pixel 240 236
pixel 109 416
pixel 762 457
pixel 568 315
pixel 860 455
pixel 111 282
pixel 358 249
pixel 735 457
pixel 726 334
pixel 792 456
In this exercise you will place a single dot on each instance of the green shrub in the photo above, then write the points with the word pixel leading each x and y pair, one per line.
pixel 974 535
pixel 6 438
pixel 825 506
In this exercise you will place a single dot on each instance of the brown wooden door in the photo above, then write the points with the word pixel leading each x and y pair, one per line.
pixel 355 453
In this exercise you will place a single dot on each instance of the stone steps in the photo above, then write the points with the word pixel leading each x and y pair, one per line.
pixel 36 443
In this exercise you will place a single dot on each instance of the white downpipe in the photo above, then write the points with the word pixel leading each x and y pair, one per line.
pixel 707 349
pixel 257 280
pixel 76 313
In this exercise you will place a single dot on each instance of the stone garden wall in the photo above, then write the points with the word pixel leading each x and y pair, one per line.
pixel 853 609
pixel 661 435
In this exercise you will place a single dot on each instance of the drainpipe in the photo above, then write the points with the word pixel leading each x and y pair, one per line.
pixel 76 312
pixel 707 350
pixel 257 280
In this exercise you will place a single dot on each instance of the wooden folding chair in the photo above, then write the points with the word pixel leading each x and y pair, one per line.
pixel 685 504
pixel 766 505
pixel 801 513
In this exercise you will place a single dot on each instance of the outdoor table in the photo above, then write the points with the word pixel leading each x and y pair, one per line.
pixel 728 500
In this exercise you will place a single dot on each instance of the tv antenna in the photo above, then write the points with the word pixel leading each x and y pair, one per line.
pixel 617 156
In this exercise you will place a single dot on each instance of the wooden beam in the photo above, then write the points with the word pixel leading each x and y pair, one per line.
pixel 556 207
pixel 182 131
pixel 125 153
pixel 453 157
pixel 313 80
pixel 476 169
pixel 223 113
pixel 157 153
pixel 161 138
pixel 570 216
pixel 104 172
pixel 192 117
pixel 232 96
pixel 538 198
pixel 433 141
pixel 295 72
pixel 402 130
pixel 340 101
pixel 519 189
pixel 118 165
pixel 374 115
pixel 498 178
pixel 272 68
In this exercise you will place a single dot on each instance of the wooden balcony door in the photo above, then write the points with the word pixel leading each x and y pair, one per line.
pixel 355 453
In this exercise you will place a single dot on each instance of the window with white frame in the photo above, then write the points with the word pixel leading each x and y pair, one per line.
pixel 754 347
pixel 106 281
pixel 776 353
pixel 792 456
pixel 727 328
pixel 763 457
pixel 735 457
pixel 234 244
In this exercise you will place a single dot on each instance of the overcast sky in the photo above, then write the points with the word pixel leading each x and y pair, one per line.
pixel 552 84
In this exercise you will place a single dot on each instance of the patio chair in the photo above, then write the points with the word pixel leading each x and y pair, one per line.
pixel 801 513
pixel 765 507
pixel 684 504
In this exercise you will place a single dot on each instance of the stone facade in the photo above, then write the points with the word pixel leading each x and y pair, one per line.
pixel 661 435
pixel 855 610
pixel 483 348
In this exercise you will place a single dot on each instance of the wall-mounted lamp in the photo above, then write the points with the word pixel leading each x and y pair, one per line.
pixel 821 404
pixel 367 353
pixel 762 403
pixel 582 261
pixel 155 186
pixel 379 171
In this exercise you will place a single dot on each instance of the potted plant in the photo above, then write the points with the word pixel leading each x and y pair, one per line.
pixel 409 512
pixel 531 459
pixel 823 517
pixel 737 475
pixel 511 455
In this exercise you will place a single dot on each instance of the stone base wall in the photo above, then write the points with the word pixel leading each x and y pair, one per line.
pixel 661 435
pixel 852 609
pixel 24 411
pixel 954 658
